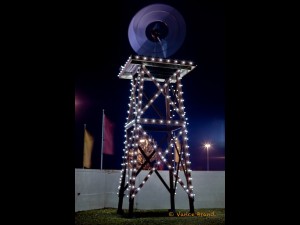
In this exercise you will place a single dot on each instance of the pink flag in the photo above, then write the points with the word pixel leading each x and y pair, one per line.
pixel 108 142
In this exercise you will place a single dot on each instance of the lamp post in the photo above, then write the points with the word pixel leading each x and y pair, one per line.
pixel 207 155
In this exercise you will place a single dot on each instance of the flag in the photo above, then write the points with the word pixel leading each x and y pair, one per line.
pixel 87 149
pixel 108 142
pixel 177 148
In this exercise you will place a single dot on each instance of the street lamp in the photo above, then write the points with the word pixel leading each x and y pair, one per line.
pixel 207 146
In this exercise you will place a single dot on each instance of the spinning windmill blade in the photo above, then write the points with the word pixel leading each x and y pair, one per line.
pixel 158 30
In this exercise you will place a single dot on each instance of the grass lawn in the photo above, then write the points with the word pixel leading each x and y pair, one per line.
pixel 151 217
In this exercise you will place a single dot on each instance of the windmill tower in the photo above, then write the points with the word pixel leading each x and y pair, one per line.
pixel 156 127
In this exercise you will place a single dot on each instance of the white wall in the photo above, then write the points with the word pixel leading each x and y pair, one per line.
pixel 95 189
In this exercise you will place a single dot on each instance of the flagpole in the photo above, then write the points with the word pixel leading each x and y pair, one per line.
pixel 84 128
pixel 102 139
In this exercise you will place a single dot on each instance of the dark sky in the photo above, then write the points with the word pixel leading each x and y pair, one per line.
pixel 101 46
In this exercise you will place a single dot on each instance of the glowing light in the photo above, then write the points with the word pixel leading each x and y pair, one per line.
pixel 207 145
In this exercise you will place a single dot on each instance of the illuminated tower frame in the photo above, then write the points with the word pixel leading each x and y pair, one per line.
pixel 162 73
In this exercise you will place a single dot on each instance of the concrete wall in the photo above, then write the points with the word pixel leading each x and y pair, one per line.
pixel 95 189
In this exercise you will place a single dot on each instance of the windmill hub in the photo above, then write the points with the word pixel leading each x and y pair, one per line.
pixel 156 31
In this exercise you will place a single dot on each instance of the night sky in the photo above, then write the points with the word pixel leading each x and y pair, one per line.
pixel 101 46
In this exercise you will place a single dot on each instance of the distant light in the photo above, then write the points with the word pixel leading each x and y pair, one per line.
pixel 207 145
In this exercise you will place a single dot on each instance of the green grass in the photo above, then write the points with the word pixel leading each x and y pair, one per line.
pixel 151 217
